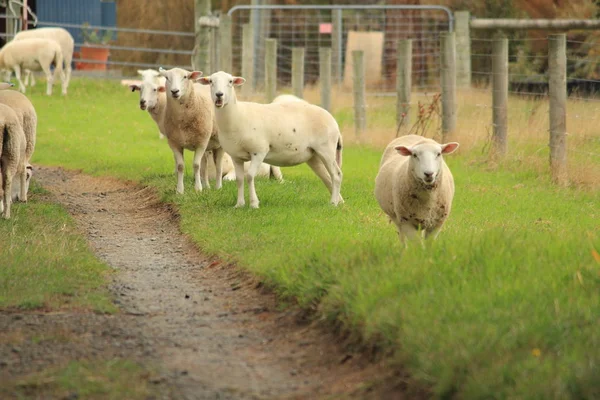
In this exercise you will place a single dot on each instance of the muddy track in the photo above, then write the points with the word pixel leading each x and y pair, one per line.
pixel 213 333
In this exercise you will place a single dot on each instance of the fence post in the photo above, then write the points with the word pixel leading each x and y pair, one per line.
pixel 403 81
pixel 270 69
pixel 325 76
pixel 448 80
pixel 360 118
pixel 247 59
pixel 463 48
pixel 336 44
pixel 557 68
pixel 202 42
pixel 225 43
pixel 298 71
pixel 500 94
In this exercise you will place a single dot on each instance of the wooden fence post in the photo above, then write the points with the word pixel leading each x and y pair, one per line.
pixel 225 43
pixel 500 94
pixel 247 59
pixel 463 48
pixel 202 42
pixel 557 69
pixel 298 71
pixel 336 45
pixel 270 69
pixel 360 118
pixel 403 82
pixel 448 81
pixel 325 76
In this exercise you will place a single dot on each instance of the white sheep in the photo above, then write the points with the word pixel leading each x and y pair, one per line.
pixel 190 124
pixel 63 38
pixel 414 186
pixel 16 187
pixel 281 134
pixel 152 97
pixel 284 98
pixel 26 114
pixel 33 54
pixel 12 158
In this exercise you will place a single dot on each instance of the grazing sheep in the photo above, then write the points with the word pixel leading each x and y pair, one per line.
pixel 33 54
pixel 152 97
pixel 16 187
pixel 190 124
pixel 26 114
pixel 63 38
pixel 414 186
pixel 12 157
pixel 281 134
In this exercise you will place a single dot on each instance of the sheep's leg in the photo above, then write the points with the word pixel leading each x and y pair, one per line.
pixel 67 74
pixel 18 76
pixel 204 170
pixel 27 75
pixel 23 188
pixel 239 178
pixel 433 234
pixel 407 232
pixel 32 76
pixel 63 81
pixel 218 159
pixel 179 165
pixel 275 172
pixel 200 159
pixel 256 161
pixel 335 174
pixel 49 79
pixel 319 169
pixel 7 193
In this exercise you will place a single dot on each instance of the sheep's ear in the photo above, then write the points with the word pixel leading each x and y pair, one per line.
pixel 162 89
pixel 449 148
pixel 238 81
pixel 405 151
pixel 161 71
pixel 5 85
pixel 141 71
pixel 195 75
pixel 134 87
pixel 205 80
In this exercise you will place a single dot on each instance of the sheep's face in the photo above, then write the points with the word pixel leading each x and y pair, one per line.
pixel 148 94
pixel 178 81
pixel 16 183
pixel 222 87
pixel 426 160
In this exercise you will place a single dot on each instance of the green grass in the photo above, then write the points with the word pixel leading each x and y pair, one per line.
pixel 504 304
pixel 115 379
pixel 46 264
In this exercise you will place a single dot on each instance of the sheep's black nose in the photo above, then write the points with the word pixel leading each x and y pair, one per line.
pixel 175 91
pixel 142 102
pixel 219 94
pixel 428 175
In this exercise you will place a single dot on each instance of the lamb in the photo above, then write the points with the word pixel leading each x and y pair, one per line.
pixel 65 41
pixel 414 186
pixel 152 97
pixel 281 134
pixel 190 124
pixel 27 118
pixel 33 54
pixel 12 157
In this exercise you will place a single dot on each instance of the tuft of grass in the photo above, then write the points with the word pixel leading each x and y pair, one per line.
pixel 112 379
pixel 503 304
pixel 46 264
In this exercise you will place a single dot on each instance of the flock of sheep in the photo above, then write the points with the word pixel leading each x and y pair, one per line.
pixel 414 186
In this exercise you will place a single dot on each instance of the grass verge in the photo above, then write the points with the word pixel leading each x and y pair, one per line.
pixel 504 304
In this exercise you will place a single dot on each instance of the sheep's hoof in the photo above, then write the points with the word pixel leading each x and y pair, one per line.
pixel 179 191
pixel 253 205
pixel 239 205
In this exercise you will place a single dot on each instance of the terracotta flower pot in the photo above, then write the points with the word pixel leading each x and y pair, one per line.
pixel 96 54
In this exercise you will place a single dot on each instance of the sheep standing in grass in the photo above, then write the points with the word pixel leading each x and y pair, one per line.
pixel 65 41
pixel 33 54
pixel 228 171
pixel 282 134
pixel 190 124
pixel 153 97
pixel 12 158
pixel 414 186
pixel 27 118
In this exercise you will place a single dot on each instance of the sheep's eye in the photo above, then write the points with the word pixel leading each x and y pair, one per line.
pixel 439 154
pixel 415 155
pixel 231 81
pixel 154 90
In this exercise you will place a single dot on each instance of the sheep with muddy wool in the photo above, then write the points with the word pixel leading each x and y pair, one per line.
pixel 281 134
pixel 414 186
pixel 190 124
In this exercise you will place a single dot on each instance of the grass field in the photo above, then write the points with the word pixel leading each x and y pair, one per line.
pixel 504 304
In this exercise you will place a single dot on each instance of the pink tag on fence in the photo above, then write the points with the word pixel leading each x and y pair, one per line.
pixel 325 27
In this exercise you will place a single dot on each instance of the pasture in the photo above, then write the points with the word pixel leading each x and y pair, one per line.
pixel 504 304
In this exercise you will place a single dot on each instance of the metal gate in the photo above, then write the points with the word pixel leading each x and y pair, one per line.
pixel 374 29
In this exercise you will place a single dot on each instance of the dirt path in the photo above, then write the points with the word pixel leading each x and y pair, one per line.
pixel 212 331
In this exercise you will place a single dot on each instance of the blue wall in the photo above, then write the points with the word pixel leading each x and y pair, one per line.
pixel 94 12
